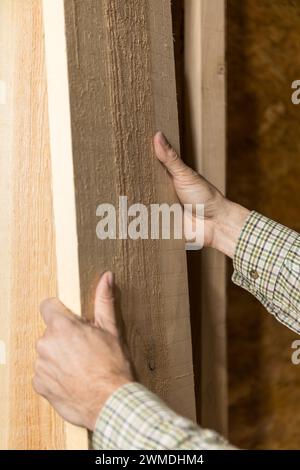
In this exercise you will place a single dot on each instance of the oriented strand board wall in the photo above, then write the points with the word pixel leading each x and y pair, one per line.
pixel 27 255
pixel 263 174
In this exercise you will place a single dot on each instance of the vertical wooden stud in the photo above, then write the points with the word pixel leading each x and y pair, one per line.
pixel 206 147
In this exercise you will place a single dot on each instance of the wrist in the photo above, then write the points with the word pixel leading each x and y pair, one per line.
pixel 102 396
pixel 228 226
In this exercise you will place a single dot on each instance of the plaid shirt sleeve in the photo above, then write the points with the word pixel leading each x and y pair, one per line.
pixel 267 264
pixel 135 418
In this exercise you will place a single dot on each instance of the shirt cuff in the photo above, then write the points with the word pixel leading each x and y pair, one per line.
pixel 135 418
pixel 121 422
pixel 261 252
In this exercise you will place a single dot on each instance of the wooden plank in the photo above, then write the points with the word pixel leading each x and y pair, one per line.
pixel 27 247
pixel 206 148
pixel 5 197
pixel 111 85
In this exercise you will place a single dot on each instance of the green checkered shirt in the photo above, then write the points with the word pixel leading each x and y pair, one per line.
pixel 267 264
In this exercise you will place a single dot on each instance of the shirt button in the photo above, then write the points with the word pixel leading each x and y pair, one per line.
pixel 254 274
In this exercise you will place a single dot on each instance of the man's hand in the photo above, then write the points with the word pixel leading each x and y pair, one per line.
pixel 80 365
pixel 223 219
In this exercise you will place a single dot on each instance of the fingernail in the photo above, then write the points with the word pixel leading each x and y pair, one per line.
pixel 162 139
pixel 110 279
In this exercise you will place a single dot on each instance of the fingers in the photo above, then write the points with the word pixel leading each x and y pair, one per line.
pixel 43 383
pixel 104 304
pixel 168 156
pixel 57 316
pixel 55 313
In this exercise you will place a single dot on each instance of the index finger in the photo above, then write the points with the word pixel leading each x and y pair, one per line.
pixel 52 309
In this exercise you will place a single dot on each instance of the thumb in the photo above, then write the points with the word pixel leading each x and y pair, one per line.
pixel 104 304
pixel 168 156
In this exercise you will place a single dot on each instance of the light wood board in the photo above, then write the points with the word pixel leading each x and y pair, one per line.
pixel 206 149
pixel 27 247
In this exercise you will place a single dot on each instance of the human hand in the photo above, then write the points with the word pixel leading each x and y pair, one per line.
pixel 223 219
pixel 80 364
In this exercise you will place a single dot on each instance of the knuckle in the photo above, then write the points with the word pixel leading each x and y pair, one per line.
pixel 37 385
pixel 48 304
pixel 38 366
pixel 60 322
pixel 40 346
pixel 194 174
pixel 56 323
pixel 107 299
pixel 173 155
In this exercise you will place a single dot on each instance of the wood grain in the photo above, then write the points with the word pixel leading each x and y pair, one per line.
pixel 111 85
pixel 205 149
pixel 109 155
pixel 5 197
pixel 27 248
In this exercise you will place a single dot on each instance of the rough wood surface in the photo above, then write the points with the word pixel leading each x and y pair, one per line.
pixel 120 68
pixel 205 150
pixel 27 250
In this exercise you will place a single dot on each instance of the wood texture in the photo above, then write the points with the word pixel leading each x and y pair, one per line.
pixel 205 150
pixel 263 174
pixel 27 250
pixel 111 84
pixel 63 191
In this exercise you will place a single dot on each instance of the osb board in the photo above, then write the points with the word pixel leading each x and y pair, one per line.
pixel 121 86
pixel 27 255
pixel 263 174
